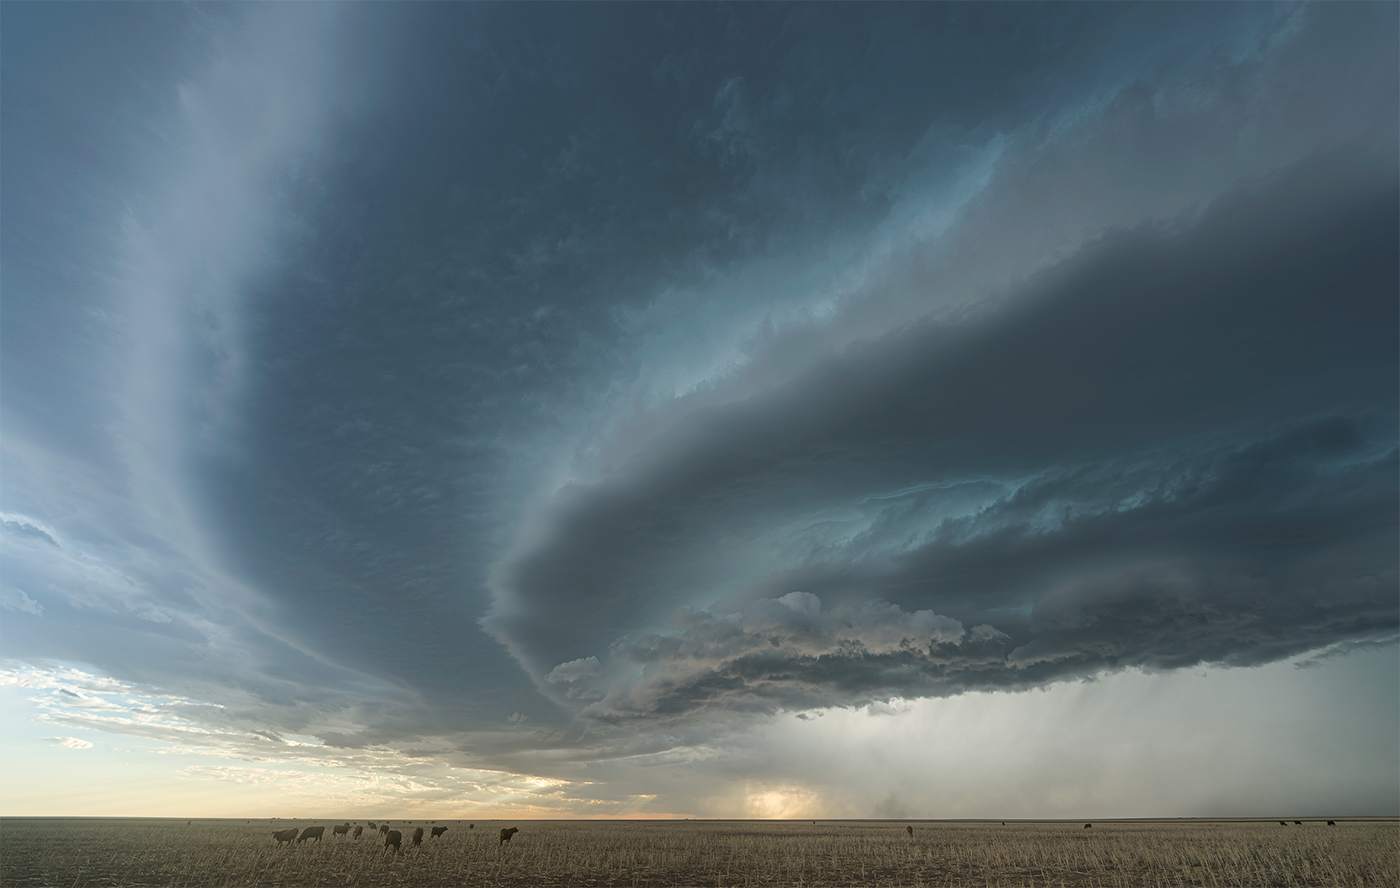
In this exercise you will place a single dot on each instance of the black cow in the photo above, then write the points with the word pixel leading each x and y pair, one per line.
pixel 1331 823
pixel 383 828
pixel 311 832
pixel 908 829
pixel 393 838
pixel 471 826
pixel 1088 826
pixel 1283 823
pixel 418 837
pixel 342 830
pixel 358 831
pixel 507 833
pixel 1297 823
pixel 286 835
pixel 439 830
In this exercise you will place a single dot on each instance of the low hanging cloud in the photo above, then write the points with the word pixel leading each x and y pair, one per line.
pixel 778 652
pixel 1176 447
pixel 69 742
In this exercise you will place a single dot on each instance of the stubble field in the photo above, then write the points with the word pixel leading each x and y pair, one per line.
pixel 109 852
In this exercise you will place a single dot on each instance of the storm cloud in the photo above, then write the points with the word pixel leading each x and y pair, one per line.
pixel 552 391
pixel 1176 447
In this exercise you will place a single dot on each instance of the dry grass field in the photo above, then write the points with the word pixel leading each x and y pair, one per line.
pixel 74 853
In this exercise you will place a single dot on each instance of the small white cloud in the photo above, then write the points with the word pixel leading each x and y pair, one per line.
pixel 15 599
pixel 69 742
pixel 587 667
pixel 517 718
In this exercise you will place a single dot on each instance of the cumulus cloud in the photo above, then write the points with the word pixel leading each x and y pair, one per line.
pixel 69 742
pixel 572 671
pixel 777 653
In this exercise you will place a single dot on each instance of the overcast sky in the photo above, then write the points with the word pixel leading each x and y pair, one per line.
pixel 756 410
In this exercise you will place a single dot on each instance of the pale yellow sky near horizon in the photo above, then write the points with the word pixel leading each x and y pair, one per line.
pixel 1126 745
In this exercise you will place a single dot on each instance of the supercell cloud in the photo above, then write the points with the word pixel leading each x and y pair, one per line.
pixel 520 388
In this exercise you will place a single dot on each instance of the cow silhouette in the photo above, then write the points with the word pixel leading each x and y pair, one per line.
pixel 311 832
pixel 286 835
pixel 393 837
pixel 507 833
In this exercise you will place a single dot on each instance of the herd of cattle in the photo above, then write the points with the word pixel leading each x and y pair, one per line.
pixel 393 838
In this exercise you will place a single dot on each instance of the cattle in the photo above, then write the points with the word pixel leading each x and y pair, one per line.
pixel 507 833
pixel 1331 823
pixel 1297 823
pixel 286 835
pixel 1088 826
pixel 418 837
pixel 471 826
pixel 357 832
pixel 311 832
pixel 908 829
pixel 372 826
pixel 342 830
pixel 439 830
pixel 383 828
pixel 393 837
pixel 1283 823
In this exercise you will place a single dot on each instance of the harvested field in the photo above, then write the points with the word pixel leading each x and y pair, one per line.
pixel 113 852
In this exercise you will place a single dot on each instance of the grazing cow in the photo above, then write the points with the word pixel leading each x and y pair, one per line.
pixel 393 837
pixel 471 826
pixel 507 833
pixel 286 835
pixel 342 830
pixel 383 828
pixel 372 827
pixel 311 832
pixel 1331 823
pixel 1297 823
pixel 1283 823
pixel 418 837
pixel 357 832
pixel 439 830
pixel 1088 826
pixel 908 829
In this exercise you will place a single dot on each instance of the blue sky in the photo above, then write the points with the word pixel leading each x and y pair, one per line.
pixel 699 410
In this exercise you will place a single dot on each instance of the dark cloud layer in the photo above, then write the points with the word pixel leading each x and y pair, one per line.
pixel 462 248
pixel 1196 425
pixel 371 370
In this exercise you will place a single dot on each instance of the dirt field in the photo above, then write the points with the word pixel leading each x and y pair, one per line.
pixel 75 852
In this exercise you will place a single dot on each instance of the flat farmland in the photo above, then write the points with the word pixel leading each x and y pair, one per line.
pixel 72 853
